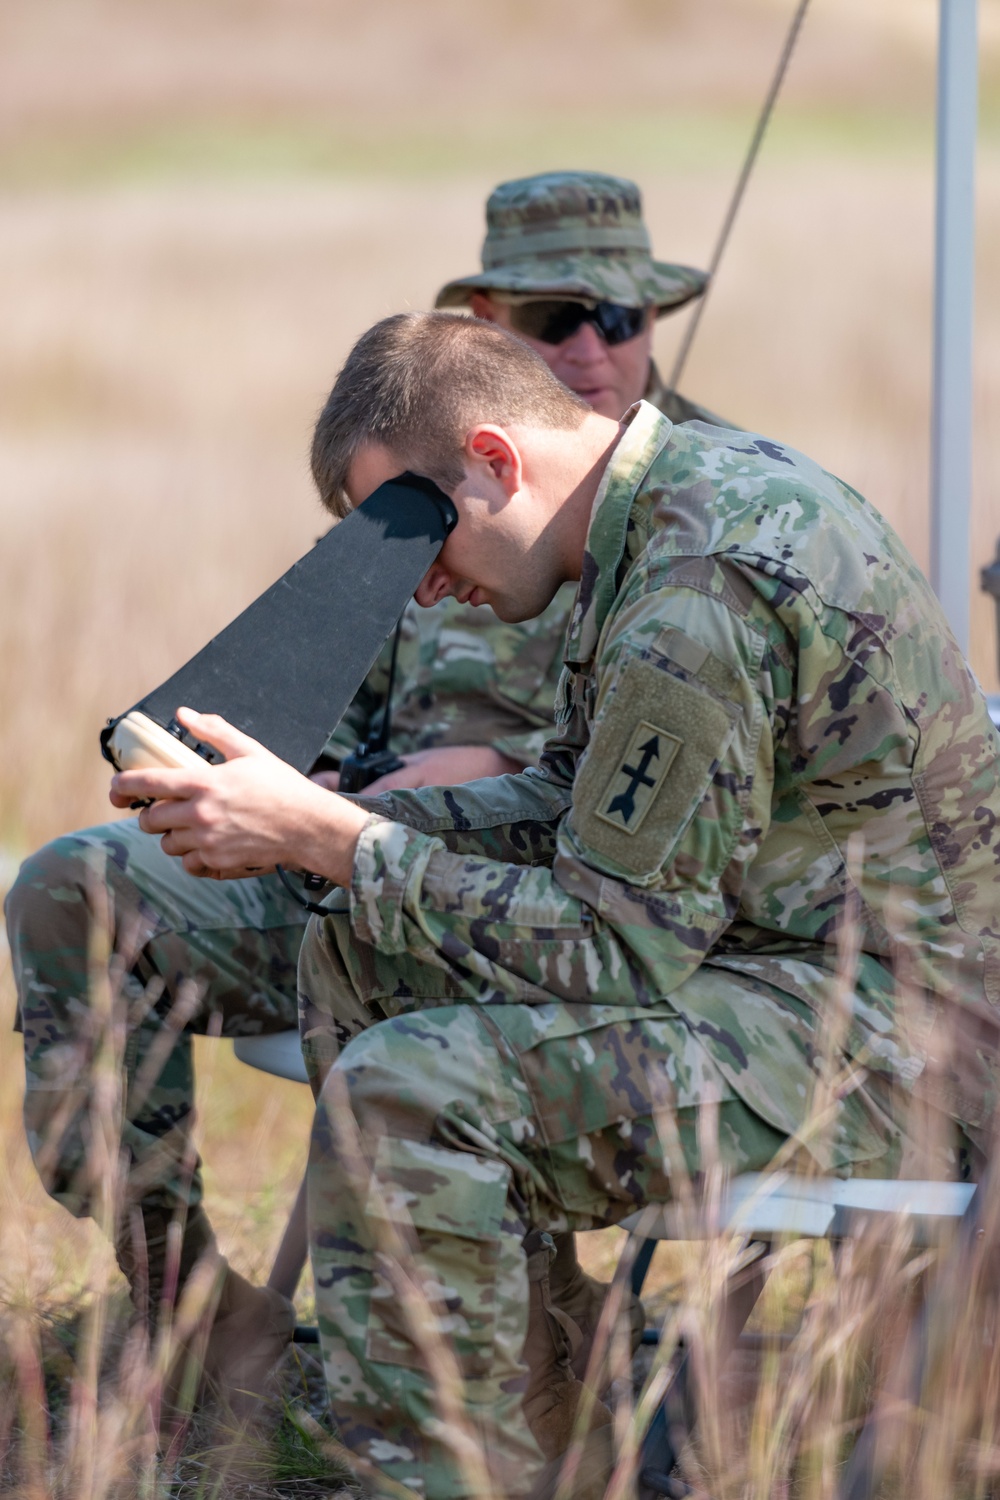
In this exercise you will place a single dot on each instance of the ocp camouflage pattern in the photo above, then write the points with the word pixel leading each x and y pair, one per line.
pixel 228 950
pixel 463 677
pixel 573 234
pixel 766 615
pixel 550 958
pixel 188 956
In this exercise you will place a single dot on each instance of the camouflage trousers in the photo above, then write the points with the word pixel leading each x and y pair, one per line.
pixel 118 956
pixel 444 1133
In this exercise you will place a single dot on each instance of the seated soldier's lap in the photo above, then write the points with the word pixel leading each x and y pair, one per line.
pixel 580 1084
pixel 237 940
pixel 559 1093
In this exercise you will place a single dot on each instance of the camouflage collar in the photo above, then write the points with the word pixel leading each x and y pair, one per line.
pixel 646 433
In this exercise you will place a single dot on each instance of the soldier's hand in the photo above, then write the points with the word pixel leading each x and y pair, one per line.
pixel 244 816
pixel 444 765
pixel 328 779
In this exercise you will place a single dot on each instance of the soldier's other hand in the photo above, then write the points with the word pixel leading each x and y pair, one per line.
pixel 330 780
pixel 444 765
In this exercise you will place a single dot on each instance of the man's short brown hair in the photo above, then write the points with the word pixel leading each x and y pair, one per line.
pixel 417 382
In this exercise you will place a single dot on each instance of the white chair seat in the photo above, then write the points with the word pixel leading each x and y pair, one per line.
pixel 766 1203
pixel 279 1053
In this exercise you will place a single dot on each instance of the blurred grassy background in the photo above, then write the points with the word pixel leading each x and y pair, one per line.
pixel 203 202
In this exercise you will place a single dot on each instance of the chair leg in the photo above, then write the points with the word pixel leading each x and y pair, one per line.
pixel 904 1384
pixel 676 1417
pixel 641 1264
pixel 291 1256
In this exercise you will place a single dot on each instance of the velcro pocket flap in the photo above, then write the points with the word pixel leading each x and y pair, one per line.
pixel 656 747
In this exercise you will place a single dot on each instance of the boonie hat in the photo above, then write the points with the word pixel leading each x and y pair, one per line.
pixel 573 234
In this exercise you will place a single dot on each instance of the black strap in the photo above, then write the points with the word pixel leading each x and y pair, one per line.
pixel 313 906
pixel 756 140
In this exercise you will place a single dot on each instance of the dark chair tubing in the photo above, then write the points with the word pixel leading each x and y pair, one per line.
pixel 676 1417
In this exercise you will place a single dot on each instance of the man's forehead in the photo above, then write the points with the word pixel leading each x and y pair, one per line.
pixel 371 466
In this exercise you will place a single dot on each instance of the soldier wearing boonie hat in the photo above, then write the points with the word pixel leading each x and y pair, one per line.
pixel 568 267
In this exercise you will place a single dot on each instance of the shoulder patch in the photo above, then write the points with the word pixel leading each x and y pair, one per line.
pixel 636 780
pixel 648 766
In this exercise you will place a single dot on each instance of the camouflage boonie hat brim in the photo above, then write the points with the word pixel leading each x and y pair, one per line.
pixel 573 234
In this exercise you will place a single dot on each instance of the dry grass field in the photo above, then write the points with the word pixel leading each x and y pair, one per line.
pixel 202 204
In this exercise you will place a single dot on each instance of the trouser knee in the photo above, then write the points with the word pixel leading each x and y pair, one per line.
pixel 51 911
pixel 72 899
pixel 47 902
pixel 382 1100
pixel 63 892
pixel 419 1075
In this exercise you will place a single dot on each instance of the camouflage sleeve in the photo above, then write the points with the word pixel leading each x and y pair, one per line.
pixel 538 688
pixel 468 678
pixel 671 797
pixel 528 676
pixel 513 819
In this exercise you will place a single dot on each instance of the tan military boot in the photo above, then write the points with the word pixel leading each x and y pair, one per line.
pixel 252 1328
pixel 143 1255
pixel 582 1299
pixel 553 1395
pixel 236 1341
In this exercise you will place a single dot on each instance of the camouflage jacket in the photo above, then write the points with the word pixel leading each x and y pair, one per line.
pixel 765 729
pixel 463 677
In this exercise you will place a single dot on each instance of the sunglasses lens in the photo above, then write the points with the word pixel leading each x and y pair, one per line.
pixel 553 321
pixel 619 324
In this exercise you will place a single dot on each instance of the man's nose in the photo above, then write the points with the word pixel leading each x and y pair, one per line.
pixel 586 344
pixel 433 587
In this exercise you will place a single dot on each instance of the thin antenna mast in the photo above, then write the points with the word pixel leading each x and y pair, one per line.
pixel 756 142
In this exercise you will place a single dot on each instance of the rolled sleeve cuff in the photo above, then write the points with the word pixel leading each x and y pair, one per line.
pixel 389 857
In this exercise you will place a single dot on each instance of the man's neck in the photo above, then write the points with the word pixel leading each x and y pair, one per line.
pixel 587 454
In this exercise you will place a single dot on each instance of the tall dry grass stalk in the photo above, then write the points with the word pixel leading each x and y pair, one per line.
pixel 887 1325
pixel 81 1388
pixel 167 339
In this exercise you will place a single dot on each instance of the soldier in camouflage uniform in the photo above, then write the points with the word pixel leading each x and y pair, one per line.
pixel 473 697
pixel 566 255
pixel 766 739
pixel 567 266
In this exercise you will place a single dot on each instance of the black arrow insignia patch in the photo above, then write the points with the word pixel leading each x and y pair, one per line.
pixel 638 776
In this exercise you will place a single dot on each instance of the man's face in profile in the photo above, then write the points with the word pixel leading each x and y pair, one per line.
pixel 499 553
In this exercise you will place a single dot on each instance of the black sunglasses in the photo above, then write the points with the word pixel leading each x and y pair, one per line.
pixel 553 321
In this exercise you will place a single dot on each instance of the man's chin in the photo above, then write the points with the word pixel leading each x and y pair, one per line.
pixel 516 611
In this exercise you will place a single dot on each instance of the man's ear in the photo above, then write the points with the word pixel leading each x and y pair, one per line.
pixel 494 448
pixel 481 306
